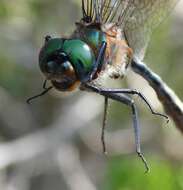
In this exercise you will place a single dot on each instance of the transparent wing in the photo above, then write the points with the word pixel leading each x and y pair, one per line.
pixel 137 18
pixel 100 11
pixel 146 15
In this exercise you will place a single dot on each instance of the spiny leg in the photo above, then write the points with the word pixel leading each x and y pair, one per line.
pixel 46 90
pixel 137 135
pixel 104 125
pixel 129 102
pixel 135 92
pixel 128 91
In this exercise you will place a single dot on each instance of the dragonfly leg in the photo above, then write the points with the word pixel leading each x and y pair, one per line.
pixel 137 135
pixel 104 125
pixel 129 102
pixel 45 85
pixel 99 59
pixel 46 90
pixel 134 92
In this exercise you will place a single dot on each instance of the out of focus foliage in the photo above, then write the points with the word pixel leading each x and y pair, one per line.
pixel 128 175
pixel 54 143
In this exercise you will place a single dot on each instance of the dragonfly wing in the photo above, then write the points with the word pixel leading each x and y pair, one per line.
pixel 100 11
pixel 146 15
pixel 137 18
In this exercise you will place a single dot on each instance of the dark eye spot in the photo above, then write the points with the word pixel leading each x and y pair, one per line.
pixel 80 64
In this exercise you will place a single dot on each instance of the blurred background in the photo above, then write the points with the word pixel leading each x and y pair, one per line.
pixel 54 143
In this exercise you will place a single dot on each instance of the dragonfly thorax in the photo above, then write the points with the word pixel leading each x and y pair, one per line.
pixel 117 55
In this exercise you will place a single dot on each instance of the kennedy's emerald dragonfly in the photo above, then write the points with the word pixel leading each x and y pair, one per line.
pixel 110 36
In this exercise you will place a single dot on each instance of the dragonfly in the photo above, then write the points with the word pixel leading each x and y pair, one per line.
pixel 111 35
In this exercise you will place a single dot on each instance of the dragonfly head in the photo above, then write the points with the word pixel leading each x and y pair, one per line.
pixel 56 65
pixel 65 62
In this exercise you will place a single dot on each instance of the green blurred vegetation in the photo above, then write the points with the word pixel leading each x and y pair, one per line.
pixel 128 175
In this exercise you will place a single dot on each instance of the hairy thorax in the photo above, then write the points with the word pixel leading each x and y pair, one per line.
pixel 118 55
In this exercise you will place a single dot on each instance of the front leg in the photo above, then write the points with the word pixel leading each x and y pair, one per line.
pixel 45 91
pixel 126 91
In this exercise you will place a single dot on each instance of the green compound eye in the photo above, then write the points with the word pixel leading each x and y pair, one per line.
pixel 48 53
pixel 81 57
pixel 56 51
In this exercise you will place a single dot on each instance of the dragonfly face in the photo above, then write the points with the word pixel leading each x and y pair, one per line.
pixel 66 62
